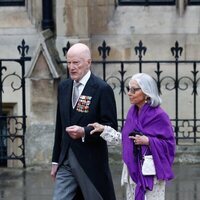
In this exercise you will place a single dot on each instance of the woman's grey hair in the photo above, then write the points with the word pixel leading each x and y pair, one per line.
pixel 149 87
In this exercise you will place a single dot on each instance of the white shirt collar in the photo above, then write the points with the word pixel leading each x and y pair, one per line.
pixel 84 80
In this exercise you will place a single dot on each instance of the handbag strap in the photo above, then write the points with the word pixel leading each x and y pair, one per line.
pixel 145 151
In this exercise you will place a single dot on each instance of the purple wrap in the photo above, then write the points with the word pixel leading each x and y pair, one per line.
pixel 155 124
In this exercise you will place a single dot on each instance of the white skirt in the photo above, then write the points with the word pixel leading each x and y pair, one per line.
pixel 158 192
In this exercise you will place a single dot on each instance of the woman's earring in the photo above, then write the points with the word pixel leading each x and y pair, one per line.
pixel 146 100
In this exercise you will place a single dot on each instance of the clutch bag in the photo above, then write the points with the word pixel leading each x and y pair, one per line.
pixel 148 167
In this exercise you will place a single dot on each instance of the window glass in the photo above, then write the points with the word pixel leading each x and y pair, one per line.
pixel 3 142
pixel 193 2
pixel 12 2
pixel 146 2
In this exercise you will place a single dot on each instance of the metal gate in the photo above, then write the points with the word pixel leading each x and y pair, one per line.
pixel 176 77
pixel 13 127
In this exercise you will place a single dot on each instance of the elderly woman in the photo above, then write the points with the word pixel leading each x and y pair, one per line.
pixel 147 131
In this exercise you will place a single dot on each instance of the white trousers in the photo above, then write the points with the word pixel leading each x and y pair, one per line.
pixel 158 192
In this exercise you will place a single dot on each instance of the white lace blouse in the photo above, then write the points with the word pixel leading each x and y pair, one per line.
pixel 111 135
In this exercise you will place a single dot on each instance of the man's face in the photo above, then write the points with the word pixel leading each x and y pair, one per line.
pixel 77 66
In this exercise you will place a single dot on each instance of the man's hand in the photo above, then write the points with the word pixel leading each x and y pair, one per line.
pixel 54 169
pixel 75 131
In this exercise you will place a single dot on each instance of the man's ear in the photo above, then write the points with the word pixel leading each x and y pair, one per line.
pixel 89 61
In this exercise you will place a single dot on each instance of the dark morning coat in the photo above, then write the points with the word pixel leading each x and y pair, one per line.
pixel 93 153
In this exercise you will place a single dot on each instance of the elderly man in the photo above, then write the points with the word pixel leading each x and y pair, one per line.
pixel 80 160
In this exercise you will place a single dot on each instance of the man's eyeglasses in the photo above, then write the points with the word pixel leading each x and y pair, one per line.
pixel 132 89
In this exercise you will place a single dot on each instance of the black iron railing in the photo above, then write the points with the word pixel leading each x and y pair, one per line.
pixel 13 128
pixel 178 82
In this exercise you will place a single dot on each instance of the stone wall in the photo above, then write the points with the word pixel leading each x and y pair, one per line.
pixel 39 144
pixel 90 22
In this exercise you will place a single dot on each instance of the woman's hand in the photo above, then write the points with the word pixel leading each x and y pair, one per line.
pixel 97 127
pixel 140 140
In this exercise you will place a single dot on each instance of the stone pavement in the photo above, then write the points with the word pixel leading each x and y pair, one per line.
pixel 35 183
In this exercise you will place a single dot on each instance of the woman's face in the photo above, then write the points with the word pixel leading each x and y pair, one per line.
pixel 135 94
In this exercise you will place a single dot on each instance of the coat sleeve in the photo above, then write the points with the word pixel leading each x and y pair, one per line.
pixel 107 114
pixel 108 111
pixel 58 137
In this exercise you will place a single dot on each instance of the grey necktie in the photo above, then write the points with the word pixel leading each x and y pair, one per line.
pixel 75 93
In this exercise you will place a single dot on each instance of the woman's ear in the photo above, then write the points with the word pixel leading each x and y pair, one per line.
pixel 146 99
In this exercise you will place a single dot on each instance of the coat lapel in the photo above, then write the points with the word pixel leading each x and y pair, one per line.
pixel 66 100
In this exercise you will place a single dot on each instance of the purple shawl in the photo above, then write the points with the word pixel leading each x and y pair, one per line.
pixel 155 124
